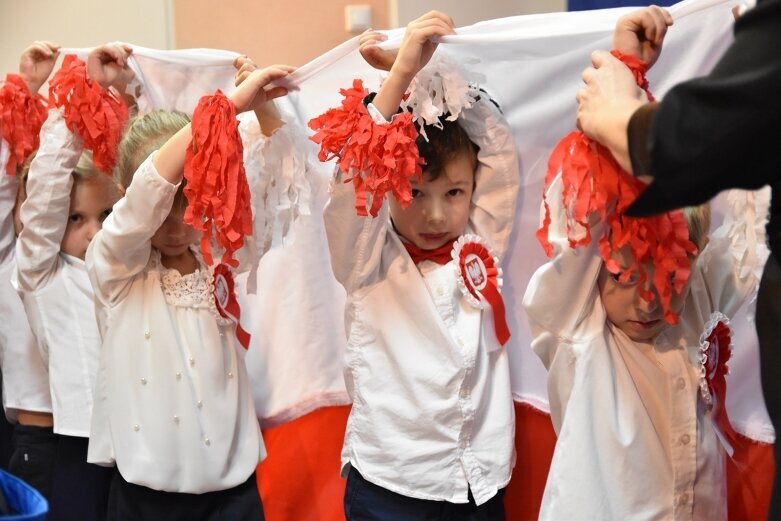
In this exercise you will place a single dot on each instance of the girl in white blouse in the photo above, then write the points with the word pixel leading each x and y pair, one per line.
pixel 173 406
pixel 67 200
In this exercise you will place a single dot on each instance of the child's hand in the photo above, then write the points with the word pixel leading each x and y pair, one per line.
pixel 374 56
pixel 36 64
pixel 251 94
pixel 417 47
pixel 107 65
pixel 642 33
pixel 267 114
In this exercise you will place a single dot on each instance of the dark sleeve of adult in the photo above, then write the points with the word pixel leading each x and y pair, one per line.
pixel 717 132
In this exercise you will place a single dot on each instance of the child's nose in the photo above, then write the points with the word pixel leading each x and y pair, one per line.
pixel 92 229
pixel 435 212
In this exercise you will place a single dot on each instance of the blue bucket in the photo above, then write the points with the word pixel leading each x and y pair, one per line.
pixel 27 503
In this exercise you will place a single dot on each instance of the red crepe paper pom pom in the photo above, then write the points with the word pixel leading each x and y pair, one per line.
pixel 21 118
pixel 218 195
pixel 595 184
pixel 98 116
pixel 380 158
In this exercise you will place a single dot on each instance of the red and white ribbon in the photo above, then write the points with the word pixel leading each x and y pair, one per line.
pixel 226 302
pixel 715 352
pixel 480 279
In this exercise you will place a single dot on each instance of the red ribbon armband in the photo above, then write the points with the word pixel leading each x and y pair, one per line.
pixel 226 302
pixel 378 158
pixel 479 278
pixel 21 117
pixel 97 115
pixel 218 195
pixel 715 352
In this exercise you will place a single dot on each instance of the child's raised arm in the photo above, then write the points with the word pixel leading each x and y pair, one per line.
pixel 374 56
pixel 36 64
pixel 107 65
pixel 415 52
pixel 642 33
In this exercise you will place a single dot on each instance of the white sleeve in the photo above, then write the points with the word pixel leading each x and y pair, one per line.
pixel 44 213
pixel 355 242
pixel 9 185
pixel 122 248
pixel 735 256
pixel 497 177
pixel 562 299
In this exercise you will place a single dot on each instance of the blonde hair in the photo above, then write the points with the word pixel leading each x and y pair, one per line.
pixel 85 169
pixel 698 220
pixel 143 135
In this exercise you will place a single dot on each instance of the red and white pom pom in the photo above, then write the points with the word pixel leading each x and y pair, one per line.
pixel 21 117
pixel 715 351
pixel 479 278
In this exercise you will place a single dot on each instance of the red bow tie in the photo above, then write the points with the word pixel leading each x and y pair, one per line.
pixel 441 255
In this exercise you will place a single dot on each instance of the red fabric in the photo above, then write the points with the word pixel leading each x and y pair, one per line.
pixel 441 255
pixel 21 117
pixel 595 185
pixel 218 195
pixel 299 481
pixel 226 302
pixel 380 158
pixel 98 116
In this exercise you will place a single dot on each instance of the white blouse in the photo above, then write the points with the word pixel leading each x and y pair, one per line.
pixel 55 289
pixel 174 410
pixel 432 412
pixel 25 375
pixel 635 440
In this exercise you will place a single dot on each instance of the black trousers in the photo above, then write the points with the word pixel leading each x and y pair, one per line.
pixel 769 332
pixel 79 489
pixel 365 501
pixel 33 457
pixel 130 502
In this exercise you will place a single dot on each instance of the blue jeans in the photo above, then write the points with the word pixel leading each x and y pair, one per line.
pixel 365 501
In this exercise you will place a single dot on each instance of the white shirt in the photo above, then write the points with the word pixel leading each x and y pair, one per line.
pixel 55 289
pixel 634 438
pixel 174 409
pixel 25 375
pixel 432 412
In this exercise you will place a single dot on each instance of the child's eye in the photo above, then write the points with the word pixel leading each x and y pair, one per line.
pixel 631 281
pixel 416 193
pixel 74 218
pixel 454 192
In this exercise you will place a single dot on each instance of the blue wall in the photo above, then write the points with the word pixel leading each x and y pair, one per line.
pixel 585 5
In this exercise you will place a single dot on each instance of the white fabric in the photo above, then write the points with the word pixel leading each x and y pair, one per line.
pixel 533 66
pixel 25 375
pixel 634 438
pixel 432 414
pixel 55 289
pixel 173 405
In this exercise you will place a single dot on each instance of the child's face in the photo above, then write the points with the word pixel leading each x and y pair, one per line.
pixel 91 202
pixel 174 237
pixel 439 210
pixel 641 321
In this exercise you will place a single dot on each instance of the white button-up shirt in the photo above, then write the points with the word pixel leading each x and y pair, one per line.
pixel 55 289
pixel 635 440
pixel 25 374
pixel 432 412
pixel 173 405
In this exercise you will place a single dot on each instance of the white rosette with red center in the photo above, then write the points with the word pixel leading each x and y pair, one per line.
pixel 480 280
pixel 715 352
pixel 226 302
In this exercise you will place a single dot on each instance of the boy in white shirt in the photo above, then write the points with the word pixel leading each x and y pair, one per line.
pixel 431 430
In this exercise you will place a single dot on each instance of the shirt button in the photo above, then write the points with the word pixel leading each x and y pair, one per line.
pixel 685 439
pixel 464 393
pixel 440 291
pixel 147 334
pixel 683 499
pixel 681 383
pixel 462 444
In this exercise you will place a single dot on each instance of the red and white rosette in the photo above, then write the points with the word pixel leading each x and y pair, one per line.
pixel 480 279
pixel 715 352
pixel 226 302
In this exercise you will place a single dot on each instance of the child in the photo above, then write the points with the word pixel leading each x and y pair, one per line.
pixel 67 200
pixel 642 432
pixel 431 429
pixel 26 396
pixel 174 410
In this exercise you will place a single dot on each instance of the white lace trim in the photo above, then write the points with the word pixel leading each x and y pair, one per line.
pixel 193 290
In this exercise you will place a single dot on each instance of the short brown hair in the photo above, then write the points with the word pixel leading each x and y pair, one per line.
pixel 698 220
pixel 444 145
